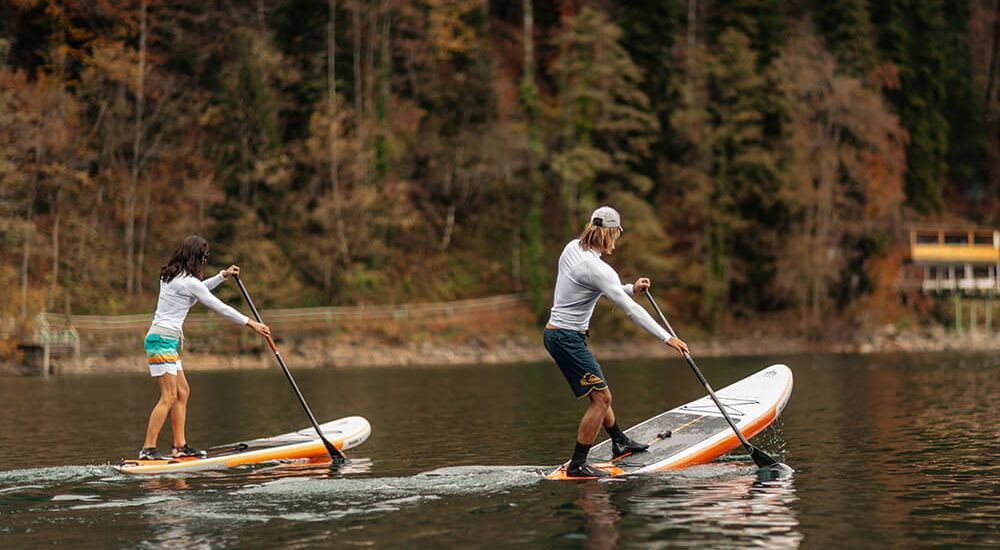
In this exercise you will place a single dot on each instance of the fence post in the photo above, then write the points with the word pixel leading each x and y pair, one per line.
pixel 46 356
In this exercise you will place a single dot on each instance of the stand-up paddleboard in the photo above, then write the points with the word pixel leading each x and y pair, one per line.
pixel 697 432
pixel 344 434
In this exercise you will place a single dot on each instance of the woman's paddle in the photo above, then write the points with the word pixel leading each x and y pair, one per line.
pixel 762 459
pixel 335 455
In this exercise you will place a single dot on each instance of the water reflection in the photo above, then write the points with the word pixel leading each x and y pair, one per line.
pixel 735 507
pixel 601 517
pixel 156 484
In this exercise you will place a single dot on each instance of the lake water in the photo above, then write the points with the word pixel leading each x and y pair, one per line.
pixel 889 451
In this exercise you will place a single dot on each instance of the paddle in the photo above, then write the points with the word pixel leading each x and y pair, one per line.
pixel 335 455
pixel 762 459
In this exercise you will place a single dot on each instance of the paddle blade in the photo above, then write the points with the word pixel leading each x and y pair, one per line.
pixel 762 459
pixel 336 457
pixel 774 469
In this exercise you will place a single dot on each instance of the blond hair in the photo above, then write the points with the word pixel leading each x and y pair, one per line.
pixel 601 239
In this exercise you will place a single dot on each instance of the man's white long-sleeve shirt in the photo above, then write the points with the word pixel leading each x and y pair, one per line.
pixel 583 278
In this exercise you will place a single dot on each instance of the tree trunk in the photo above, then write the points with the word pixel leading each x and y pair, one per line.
pixel 29 235
pixel 991 88
pixel 54 283
pixel 692 41
pixel 261 16
pixel 331 105
pixel 142 235
pixel 359 89
pixel 130 198
pixel 534 244
pixel 358 84
pixel 449 227
pixel 384 71
pixel 369 121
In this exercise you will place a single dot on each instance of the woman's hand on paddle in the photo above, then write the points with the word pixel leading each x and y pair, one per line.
pixel 640 284
pixel 259 328
pixel 678 344
pixel 231 271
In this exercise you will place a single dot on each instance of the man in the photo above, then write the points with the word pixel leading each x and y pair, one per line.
pixel 583 278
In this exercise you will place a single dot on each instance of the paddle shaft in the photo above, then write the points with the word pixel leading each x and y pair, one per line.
pixel 335 454
pixel 760 457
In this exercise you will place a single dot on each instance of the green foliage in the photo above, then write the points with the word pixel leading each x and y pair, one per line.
pixel 730 172
pixel 846 26
pixel 606 129
pixel 963 108
pixel 914 38
pixel 758 20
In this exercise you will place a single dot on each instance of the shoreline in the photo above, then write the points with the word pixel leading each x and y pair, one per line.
pixel 329 353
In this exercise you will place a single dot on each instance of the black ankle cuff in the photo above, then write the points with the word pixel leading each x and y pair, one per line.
pixel 615 433
pixel 580 454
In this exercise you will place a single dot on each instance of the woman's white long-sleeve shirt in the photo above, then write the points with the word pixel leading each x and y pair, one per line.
pixel 181 293
pixel 583 278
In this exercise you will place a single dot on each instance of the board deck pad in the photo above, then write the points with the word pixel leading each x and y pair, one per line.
pixel 686 429
pixel 698 431
pixel 344 433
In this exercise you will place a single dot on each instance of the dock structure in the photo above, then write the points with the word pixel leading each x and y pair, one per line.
pixel 963 263
pixel 46 341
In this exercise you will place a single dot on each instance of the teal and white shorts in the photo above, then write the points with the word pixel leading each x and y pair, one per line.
pixel 162 354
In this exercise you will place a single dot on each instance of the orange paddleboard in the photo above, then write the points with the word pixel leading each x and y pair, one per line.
pixel 697 432
pixel 345 433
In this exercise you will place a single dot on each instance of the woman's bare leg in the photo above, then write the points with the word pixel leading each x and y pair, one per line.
pixel 168 395
pixel 178 413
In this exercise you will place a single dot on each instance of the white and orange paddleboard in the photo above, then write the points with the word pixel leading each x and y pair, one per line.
pixel 345 433
pixel 697 432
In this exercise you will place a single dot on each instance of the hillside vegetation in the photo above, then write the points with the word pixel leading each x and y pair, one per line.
pixel 766 155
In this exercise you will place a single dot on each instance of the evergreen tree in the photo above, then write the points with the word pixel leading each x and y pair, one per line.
pixel 730 175
pixel 248 104
pixel 847 28
pixel 759 20
pixel 534 195
pixel 606 128
pixel 964 109
pixel 913 37
pixel 649 28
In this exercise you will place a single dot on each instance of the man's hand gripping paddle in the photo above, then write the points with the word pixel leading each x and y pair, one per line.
pixel 335 455
pixel 762 459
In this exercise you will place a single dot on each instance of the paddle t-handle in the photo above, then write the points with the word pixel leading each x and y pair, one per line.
pixel 762 459
pixel 335 455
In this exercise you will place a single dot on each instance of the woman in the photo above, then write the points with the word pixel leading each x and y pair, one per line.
pixel 180 288
pixel 583 278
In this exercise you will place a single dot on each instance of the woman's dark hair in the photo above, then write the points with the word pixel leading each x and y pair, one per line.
pixel 189 258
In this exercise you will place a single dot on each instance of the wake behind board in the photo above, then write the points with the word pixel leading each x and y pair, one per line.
pixel 344 434
pixel 697 431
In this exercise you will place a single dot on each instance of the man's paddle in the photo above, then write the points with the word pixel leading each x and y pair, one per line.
pixel 335 455
pixel 762 459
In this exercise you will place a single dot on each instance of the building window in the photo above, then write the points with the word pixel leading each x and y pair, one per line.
pixel 956 238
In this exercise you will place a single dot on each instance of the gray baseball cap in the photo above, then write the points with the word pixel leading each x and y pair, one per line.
pixel 606 216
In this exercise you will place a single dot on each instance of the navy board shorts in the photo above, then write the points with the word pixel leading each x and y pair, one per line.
pixel 577 363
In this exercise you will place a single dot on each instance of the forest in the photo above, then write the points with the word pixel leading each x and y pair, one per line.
pixel 767 156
